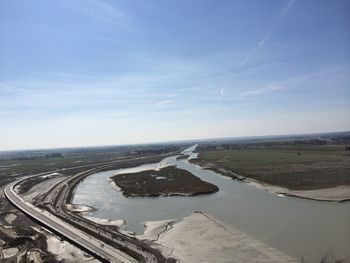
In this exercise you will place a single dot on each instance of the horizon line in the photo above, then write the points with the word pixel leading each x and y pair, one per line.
pixel 175 141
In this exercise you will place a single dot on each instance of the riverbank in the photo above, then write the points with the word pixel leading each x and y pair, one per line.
pixel 167 181
pixel 334 194
pixel 317 173
pixel 339 193
pixel 202 238
pixel 296 229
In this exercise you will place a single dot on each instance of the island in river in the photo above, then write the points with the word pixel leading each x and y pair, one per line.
pixel 166 181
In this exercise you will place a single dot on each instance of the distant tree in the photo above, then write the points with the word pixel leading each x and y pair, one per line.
pixel 53 155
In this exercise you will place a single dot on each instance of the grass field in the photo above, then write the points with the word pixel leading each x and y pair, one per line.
pixel 167 181
pixel 14 164
pixel 294 167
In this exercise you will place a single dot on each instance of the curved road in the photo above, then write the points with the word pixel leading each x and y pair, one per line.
pixel 57 205
pixel 90 243
pixel 61 225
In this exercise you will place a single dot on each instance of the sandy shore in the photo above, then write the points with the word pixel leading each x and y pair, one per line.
pixel 82 209
pixel 334 194
pixel 339 193
pixel 153 229
pixel 201 238
pixel 107 222
pixel 68 252
pixel 63 250
pixel 113 184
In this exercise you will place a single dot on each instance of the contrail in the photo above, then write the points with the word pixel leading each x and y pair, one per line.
pixel 273 28
pixel 261 43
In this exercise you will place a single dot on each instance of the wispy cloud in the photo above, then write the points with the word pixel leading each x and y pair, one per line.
pixel 113 68
pixel 11 89
pixel 222 93
pixel 155 86
pixel 286 9
pixel 164 103
pixel 266 38
pixel 101 11
pixel 260 45
pixel 4 87
pixel 268 89
pixel 319 80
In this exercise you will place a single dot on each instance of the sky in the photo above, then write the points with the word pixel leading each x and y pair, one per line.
pixel 99 72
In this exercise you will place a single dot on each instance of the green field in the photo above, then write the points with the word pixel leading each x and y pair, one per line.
pixel 167 181
pixel 20 163
pixel 295 167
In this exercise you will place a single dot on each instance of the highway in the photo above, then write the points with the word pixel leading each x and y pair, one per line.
pixel 101 242
pixel 95 246
pixel 57 204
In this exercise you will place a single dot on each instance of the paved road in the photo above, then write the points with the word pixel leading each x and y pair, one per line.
pixel 90 243
pixel 58 204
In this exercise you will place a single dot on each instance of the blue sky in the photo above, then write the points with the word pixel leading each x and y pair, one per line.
pixel 99 72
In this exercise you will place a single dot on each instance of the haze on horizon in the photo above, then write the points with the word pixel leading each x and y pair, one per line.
pixel 99 72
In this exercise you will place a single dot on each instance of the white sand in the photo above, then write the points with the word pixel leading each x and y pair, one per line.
pixel 79 208
pixel 41 188
pixel 113 185
pixel 67 252
pixel 9 218
pixel 9 252
pixel 64 250
pixel 338 193
pixel 201 238
pixel 144 167
pixel 8 231
pixel 120 223
pixel 108 222
pixel 153 229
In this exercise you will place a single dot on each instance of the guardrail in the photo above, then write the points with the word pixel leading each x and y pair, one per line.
pixel 45 218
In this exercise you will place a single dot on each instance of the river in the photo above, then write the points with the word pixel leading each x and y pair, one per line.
pixel 302 228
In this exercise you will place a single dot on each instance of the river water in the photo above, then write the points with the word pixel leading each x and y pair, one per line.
pixel 302 228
